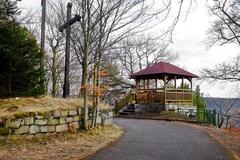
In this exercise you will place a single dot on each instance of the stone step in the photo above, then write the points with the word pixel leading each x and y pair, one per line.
pixel 125 113
pixel 131 107
pixel 129 110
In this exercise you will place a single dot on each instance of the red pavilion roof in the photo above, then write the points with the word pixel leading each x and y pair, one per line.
pixel 162 68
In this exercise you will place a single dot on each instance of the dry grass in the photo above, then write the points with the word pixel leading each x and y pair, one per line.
pixel 13 105
pixel 164 115
pixel 231 141
pixel 67 146
pixel 173 115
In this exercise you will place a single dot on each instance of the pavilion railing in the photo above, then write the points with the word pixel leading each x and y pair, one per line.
pixel 182 96
pixel 179 96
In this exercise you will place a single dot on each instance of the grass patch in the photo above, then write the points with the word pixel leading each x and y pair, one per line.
pixel 173 115
pixel 24 106
pixel 66 146
pixel 165 115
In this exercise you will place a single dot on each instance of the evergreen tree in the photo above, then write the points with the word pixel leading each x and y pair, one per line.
pixel 8 9
pixel 199 102
pixel 20 57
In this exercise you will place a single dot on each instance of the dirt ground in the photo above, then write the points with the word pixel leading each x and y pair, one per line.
pixel 67 146
pixel 230 140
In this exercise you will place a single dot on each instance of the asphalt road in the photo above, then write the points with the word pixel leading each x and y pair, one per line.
pixel 161 140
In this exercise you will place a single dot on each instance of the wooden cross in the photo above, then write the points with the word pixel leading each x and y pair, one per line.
pixel 67 26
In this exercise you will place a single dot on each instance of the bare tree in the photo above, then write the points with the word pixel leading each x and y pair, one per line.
pixel 228 71
pixel 56 43
pixel 134 54
pixel 225 110
pixel 226 27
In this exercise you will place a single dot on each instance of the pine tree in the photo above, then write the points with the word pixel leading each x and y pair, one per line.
pixel 20 71
pixel 199 102
pixel 8 9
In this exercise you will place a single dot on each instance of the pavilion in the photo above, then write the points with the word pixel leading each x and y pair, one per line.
pixel 163 83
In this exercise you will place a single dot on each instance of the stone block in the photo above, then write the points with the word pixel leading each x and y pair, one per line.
pixel 22 122
pixel 69 119
pixel 23 130
pixel 28 120
pixel 76 118
pixel 14 124
pixel 110 114
pixel 41 122
pixel 64 113
pixel 51 129
pixel 108 121
pixel 74 126
pixel 62 120
pixel 62 128
pixel 72 112
pixel 47 114
pixel 38 117
pixel 53 122
pixel 43 129
pixel 34 129
pixel 56 114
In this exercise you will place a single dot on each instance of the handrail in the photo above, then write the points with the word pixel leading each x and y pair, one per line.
pixel 128 99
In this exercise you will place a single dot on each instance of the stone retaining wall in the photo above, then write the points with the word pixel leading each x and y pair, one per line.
pixel 49 122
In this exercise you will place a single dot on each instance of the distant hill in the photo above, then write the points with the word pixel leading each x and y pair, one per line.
pixel 224 102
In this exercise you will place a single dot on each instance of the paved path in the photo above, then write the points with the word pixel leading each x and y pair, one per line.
pixel 160 140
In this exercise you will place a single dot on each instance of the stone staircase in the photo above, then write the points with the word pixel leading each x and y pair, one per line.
pixel 127 110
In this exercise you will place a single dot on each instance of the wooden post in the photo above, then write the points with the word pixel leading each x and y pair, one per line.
pixel 144 84
pixel 165 88
pixel 43 28
pixel 137 84
pixel 182 83
pixel 156 83
pixel 175 86
pixel 137 88
pixel 67 26
pixel 175 82
pixel 191 83
pixel 148 84
pixel 191 89
pixel 66 90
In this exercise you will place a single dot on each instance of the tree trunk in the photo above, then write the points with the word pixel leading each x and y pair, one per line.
pixel 10 79
pixel 221 121
pixel 85 81
pixel 98 93
pixel 94 92
pixel 54 78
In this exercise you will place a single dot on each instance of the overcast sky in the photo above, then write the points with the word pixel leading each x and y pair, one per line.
pixel 188 41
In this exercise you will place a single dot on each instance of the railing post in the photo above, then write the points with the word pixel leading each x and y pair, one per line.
pixel 214 119
pixel 204 115
pixel 116 107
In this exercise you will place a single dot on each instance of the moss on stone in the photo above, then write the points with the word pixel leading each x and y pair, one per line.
pixel 23 114
pixel 4 131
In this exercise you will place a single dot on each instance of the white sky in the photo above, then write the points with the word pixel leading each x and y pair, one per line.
pixel 188 41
